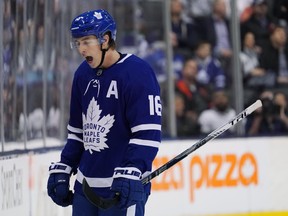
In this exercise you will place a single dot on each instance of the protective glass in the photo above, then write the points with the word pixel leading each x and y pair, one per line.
pixel 77 43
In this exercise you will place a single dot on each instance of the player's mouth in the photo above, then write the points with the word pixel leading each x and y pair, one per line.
pixel 89 59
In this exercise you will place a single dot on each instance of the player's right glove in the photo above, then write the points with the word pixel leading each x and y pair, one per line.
pixel 58 184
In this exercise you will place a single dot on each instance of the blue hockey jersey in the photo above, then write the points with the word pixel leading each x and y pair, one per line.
pixel 115 121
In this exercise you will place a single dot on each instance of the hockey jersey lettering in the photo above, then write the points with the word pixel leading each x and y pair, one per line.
pixel 127 172
pixel 111 118
pixel 92 140
pixel 93 127
pixel 112 90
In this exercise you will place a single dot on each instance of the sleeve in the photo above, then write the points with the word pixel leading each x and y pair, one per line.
pixel 71 154
pixel 143 113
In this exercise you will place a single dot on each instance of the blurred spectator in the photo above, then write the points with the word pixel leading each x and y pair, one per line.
pixel 261 23
pixel 21 52
pixel 216 31
pixel 274 57
pixel 199 8
pixel 210 72
pixel 245 9
pixel 195 95
pixel 8 35
pixel 33 123
pixel 53 121
pixel 254 76
pixel 186 122
pixel 272 118
pixel 280 104
pixel 184 32
pixel 39 52
pixel 219 113
pixel 8 79
pixel 157 60
pixel 280 11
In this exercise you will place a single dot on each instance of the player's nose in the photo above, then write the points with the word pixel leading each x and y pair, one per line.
pixel 82 50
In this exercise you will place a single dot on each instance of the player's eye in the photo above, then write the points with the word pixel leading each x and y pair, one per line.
pixel 90 42
pixel 86 42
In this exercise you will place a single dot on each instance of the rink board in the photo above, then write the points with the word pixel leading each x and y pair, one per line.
pixel 225 177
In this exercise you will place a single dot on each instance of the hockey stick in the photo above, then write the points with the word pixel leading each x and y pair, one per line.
pixel 108 203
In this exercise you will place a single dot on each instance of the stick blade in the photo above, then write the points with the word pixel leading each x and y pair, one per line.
pixel 97 200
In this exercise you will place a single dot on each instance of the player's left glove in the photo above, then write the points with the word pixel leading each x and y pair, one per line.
pixel 58 184
pixel 127 183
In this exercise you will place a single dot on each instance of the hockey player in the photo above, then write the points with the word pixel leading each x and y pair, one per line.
pixel 114 129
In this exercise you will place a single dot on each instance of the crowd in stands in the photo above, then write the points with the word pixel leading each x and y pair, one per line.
pixel 202 49
pixel 28 64
pixel 202 63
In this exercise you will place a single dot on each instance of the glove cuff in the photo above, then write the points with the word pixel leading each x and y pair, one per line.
pixel 127 172
pixel 59 168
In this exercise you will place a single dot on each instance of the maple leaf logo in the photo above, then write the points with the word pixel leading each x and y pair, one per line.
pixel 95 129
pixel 97 15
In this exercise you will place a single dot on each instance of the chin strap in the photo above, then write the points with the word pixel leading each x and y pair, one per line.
pixel 103 56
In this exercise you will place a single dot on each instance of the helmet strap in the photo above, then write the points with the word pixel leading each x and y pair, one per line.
pixel 103 56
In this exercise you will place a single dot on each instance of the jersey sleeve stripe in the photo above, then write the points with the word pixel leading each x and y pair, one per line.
pixel 145 142
pixel 74 137
pixel 73 129
pixel 146 127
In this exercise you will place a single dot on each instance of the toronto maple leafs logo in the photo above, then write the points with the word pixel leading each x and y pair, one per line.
pixel 97 15
pixel 79 18
pixel 95 128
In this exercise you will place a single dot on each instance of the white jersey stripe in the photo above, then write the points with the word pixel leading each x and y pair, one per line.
pixel 146 127
pixel 122 60
pixel 73 129
pixel 131 211
pixel 74 137
pixel 95 182
pixel 142 142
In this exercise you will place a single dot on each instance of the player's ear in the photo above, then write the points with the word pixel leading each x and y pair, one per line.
pixel 106 39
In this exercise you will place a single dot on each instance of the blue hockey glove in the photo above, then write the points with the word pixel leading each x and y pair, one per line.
pixel 58 184
pixel 127 183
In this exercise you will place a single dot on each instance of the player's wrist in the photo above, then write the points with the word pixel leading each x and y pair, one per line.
pixel 59 167
pixel 128 173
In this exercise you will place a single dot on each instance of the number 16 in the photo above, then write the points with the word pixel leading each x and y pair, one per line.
pixel 155 105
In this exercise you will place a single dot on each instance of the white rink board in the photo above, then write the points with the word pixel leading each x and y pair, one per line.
pixel 14 186
pixel 223 176
pixel 236 176
pixel 23 184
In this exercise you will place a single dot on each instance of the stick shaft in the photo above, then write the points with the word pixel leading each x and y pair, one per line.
pixel 108 203
pixel 203 141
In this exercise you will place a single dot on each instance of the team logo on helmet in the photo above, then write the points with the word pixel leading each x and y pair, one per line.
pixel 97 15
pixel 96 23
pixel 78 18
